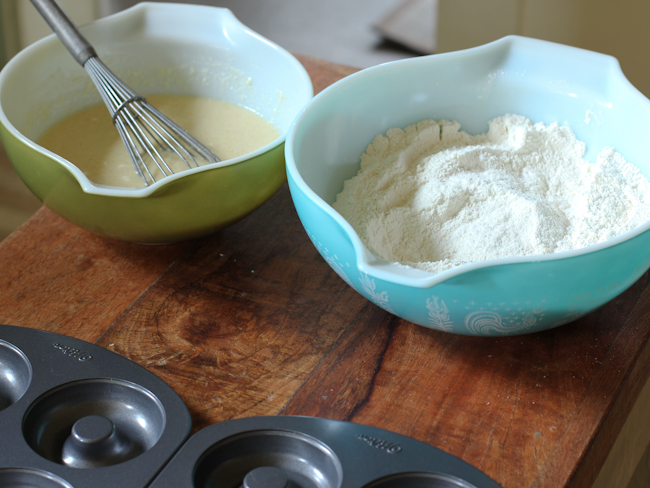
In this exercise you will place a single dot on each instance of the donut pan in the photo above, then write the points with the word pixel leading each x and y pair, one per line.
pixel 73 414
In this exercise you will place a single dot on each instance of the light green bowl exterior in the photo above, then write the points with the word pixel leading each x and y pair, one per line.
pixel 188 207
pixel 544 81
pixel 224 60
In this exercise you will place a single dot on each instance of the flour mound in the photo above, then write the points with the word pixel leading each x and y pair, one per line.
pixel 434 197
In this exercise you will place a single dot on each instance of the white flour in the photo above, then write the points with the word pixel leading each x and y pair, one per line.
pixel 434 197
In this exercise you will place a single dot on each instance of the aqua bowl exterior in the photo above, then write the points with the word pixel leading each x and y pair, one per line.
pixel 544 81
pixel 157 49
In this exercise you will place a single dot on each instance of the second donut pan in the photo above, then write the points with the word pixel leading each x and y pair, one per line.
pixel 309 452
pixel 74 415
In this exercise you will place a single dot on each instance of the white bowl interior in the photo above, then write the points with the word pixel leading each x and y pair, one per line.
pixel 158 49
pixel 544 81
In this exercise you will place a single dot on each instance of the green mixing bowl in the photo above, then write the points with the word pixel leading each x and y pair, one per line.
pixel 156 49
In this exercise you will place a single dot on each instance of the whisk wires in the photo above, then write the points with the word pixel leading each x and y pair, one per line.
pixel 146 132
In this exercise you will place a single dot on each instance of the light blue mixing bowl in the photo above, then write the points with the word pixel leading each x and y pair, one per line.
pixel 543 81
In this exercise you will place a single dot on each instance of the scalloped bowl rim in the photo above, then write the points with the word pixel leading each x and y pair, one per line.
pixel 98 189
pixel 395 272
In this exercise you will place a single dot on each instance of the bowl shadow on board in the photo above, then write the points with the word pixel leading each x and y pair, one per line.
pixel 574 354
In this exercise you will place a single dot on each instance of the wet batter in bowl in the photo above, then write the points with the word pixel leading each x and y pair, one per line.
pixel 89 140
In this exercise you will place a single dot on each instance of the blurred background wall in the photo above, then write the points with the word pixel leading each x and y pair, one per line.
pixel 618 28
pixel 355 32
pixel 343 31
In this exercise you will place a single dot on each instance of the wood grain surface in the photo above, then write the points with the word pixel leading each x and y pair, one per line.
pixel 17 203
pixel 252 321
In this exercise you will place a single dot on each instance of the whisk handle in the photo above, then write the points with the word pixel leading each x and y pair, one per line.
pixel 65 29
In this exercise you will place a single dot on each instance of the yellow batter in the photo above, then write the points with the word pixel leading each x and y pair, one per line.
pixel 89 140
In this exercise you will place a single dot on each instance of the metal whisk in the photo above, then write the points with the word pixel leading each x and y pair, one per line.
pixel 145 131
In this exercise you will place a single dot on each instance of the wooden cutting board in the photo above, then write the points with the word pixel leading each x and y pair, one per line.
pixel 252 321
